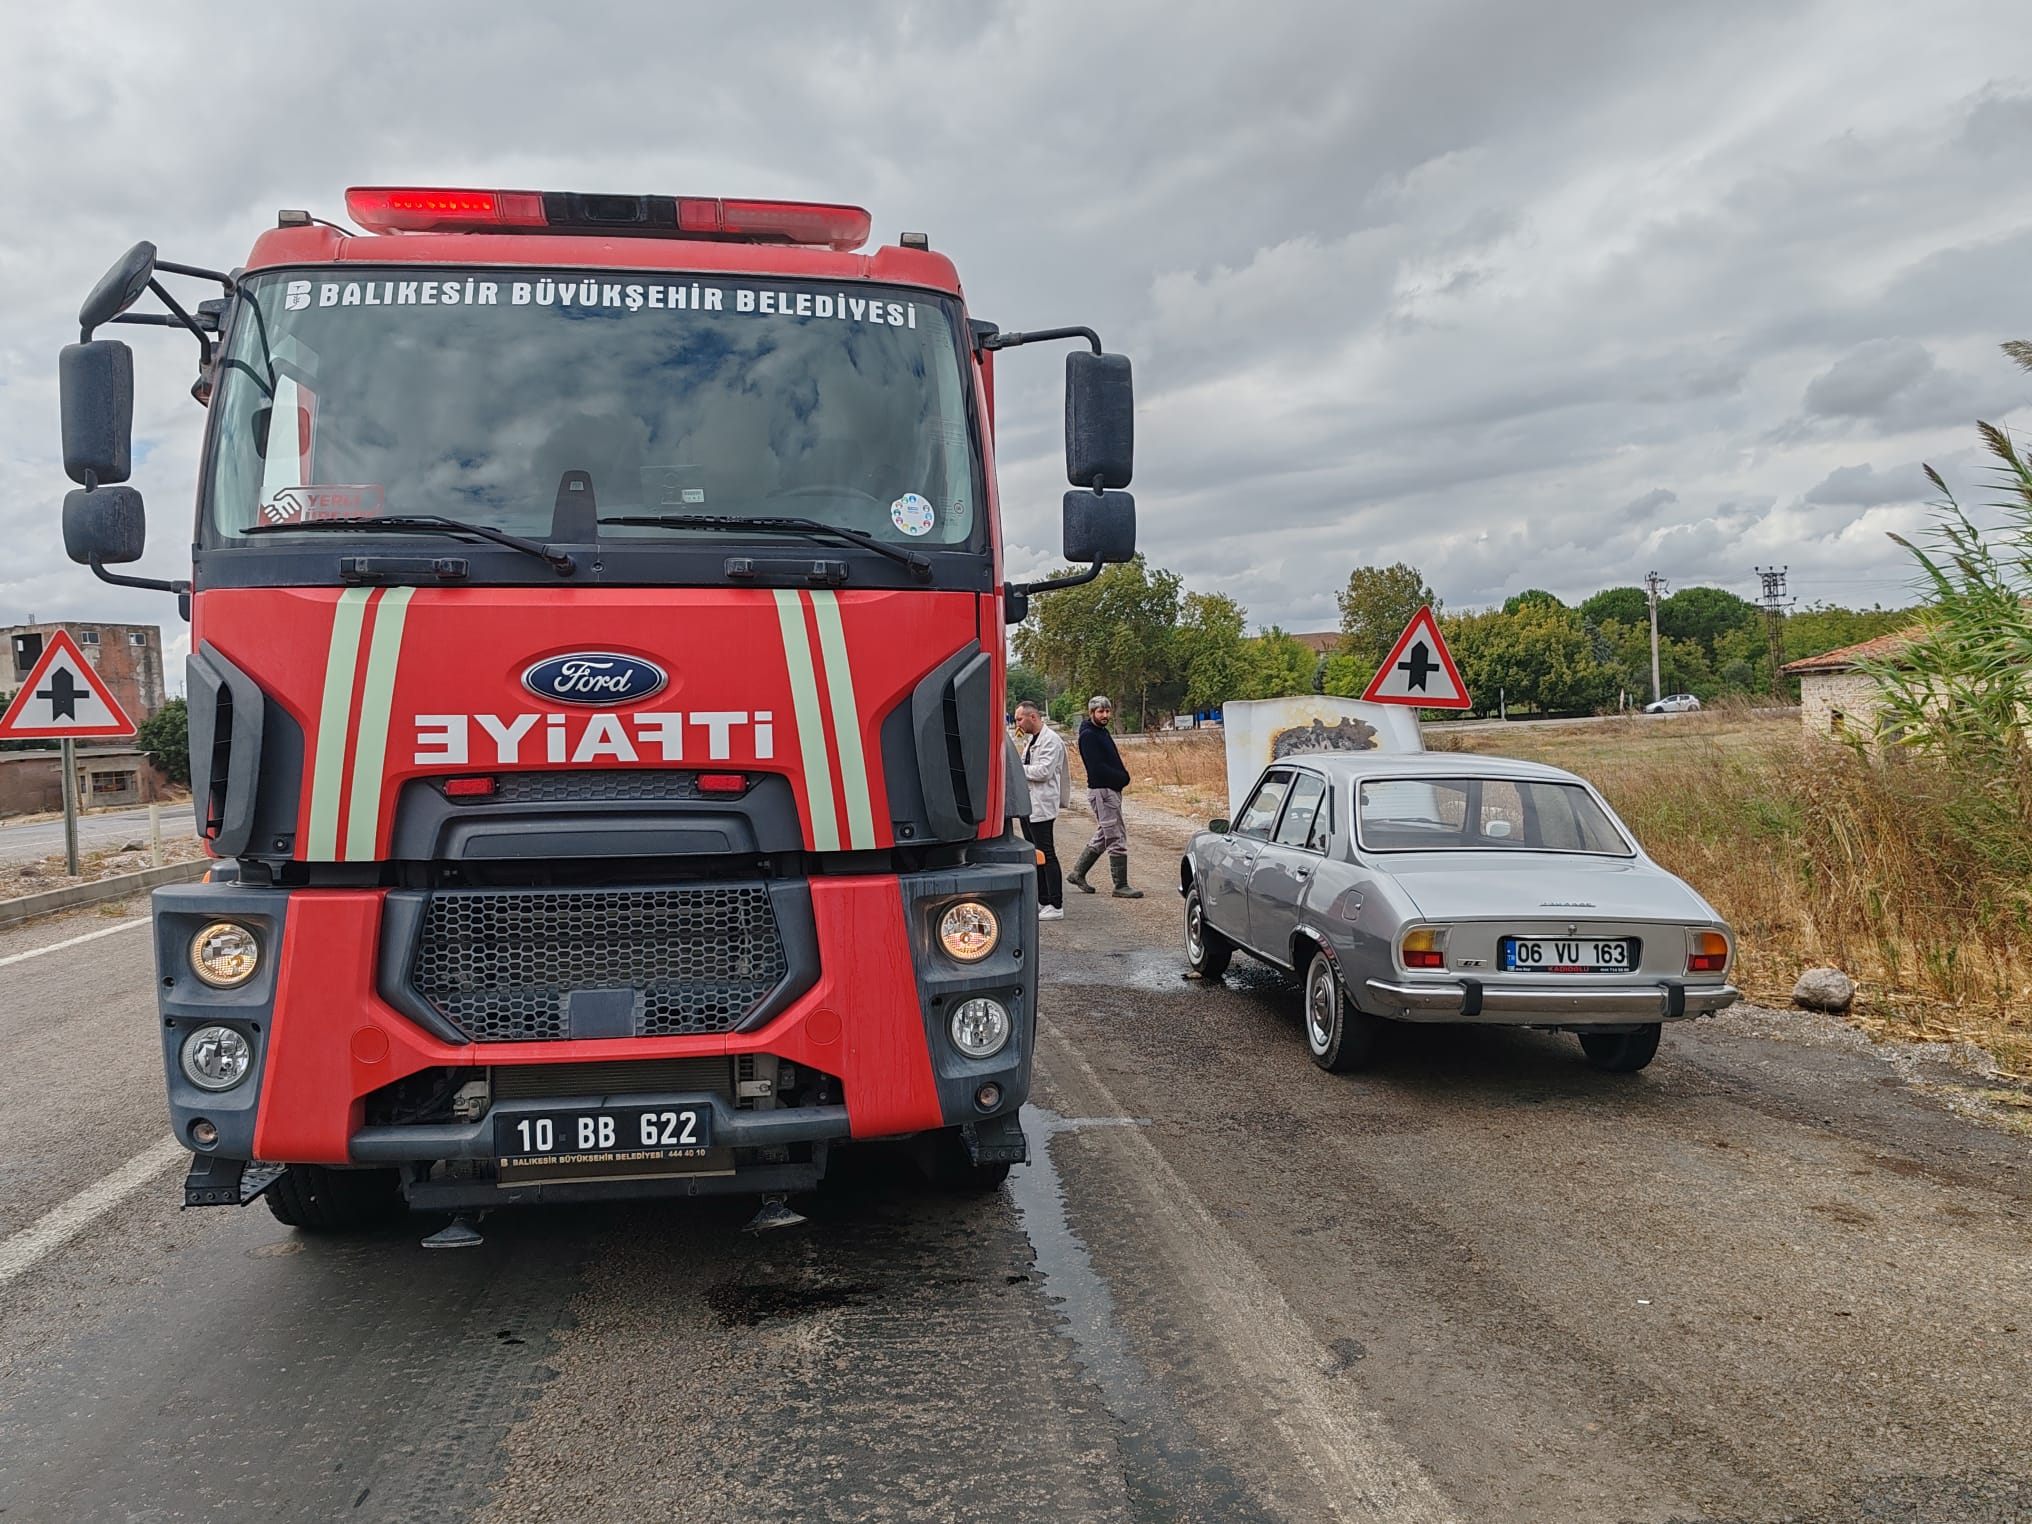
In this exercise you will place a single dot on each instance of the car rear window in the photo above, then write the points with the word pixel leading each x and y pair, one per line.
pixel 1483 815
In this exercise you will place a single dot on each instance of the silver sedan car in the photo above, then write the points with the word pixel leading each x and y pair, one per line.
pixel 1443 887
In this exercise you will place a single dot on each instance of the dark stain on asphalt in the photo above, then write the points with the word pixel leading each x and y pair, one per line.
pixel 739 1305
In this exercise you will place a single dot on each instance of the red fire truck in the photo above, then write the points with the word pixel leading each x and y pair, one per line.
pixel 596 699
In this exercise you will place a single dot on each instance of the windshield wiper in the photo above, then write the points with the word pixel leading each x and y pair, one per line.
pixel 425 523
pixel 920 565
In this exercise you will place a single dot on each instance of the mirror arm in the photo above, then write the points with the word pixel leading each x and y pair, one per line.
pixel 184 319
pixel 994 341
pixel 151 584
pixel 200 272
pixel 1053 584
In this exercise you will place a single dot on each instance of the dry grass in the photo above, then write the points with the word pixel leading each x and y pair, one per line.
pixel 1814 854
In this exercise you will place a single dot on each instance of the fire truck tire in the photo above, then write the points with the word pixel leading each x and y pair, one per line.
pixel 321 1200
pixel 946 1163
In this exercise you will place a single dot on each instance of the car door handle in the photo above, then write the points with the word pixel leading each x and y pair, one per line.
pixel 1301 872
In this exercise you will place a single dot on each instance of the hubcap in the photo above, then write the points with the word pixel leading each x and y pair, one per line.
pixel 1319 1006
pixel 1192 934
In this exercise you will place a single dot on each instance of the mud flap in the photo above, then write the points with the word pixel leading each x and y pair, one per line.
pixel 996 1140
pixel 227 1182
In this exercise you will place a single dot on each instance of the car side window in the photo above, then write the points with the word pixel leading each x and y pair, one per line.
pixel 1296 826
pixel 1320 837
pixel 1260 813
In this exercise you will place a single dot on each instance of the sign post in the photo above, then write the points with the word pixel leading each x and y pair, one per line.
pixel 65 700
pixel 1419 670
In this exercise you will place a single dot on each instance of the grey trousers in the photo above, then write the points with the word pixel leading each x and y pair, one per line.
pixel 1109 835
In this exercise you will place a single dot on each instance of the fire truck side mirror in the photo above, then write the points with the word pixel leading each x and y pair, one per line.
pixel 104 526
pixel 1100 420
pixel 95 391
pixel 119 288
pixel 1100 526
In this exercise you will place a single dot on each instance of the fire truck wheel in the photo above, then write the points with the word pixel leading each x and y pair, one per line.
pixel 320 1200
pixel 944 1159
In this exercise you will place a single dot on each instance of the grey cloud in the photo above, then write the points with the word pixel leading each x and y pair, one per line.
pixel 1863 382
pixel 1864 486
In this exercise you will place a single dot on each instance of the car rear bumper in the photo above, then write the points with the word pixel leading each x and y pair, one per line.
pixel 1472 1000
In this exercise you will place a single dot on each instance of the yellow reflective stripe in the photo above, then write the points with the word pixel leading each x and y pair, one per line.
pixel 811 743
pixel 839 676
pixel 328 766
pixel 370 748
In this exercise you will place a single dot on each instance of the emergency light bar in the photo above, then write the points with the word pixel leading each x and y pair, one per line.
pixel 390 209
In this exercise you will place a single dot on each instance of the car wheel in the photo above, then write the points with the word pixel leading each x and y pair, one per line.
pixel 320 1200
pixel 1207 952
pixel 1621 1052
pixel 1340 1037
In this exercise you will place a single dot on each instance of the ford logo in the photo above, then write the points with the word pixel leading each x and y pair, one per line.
pixel 594 677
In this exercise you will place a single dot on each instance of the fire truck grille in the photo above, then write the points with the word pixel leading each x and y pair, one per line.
pixel 505 966
pixel 595 784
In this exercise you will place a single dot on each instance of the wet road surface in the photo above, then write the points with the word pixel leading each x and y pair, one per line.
pixel 1768 1279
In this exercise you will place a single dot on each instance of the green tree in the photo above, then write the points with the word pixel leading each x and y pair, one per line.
pixel 1536 595
pixel 1026 683
pixel 1211 652
pixel 1817 630
pixel 1347 676
pixel 1279 665
pixel 1538 657
pixel 1376 605
pixel 1704 614
pixel 1617 605
pixel 1114 635
pixel 165 737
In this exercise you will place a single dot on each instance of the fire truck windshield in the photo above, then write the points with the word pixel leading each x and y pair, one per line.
pixel 478 394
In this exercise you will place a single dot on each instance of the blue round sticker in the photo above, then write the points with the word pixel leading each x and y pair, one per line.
pixel 913 514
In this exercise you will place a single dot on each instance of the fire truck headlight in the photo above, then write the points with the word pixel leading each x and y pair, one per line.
pixel 980 1027
pixel 225 955
pixel 969 931
pixel 216 1058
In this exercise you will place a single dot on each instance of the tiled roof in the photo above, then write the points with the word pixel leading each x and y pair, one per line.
pixel 1845 659
pixel 1326 642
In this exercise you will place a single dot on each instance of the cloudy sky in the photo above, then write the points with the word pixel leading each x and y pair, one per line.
pixel 1543 294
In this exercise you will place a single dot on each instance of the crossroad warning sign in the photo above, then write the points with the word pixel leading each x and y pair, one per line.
pixel 62 697
pixel 1419 670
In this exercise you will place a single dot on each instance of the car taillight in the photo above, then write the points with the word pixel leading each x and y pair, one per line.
pixel 1425 947
pixel 469 788
pixel 1707 952
pixel 389 209
pixel 722 783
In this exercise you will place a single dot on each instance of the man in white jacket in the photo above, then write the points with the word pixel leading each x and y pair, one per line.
pixel 1050 773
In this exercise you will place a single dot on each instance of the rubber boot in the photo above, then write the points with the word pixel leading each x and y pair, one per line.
pixel 1078 877
pixel 1119 868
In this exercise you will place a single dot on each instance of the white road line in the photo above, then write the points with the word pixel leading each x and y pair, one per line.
pixel 1360 1466
pixel 90 936
pixel 59 1225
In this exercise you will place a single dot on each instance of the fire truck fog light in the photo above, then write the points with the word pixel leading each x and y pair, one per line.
pixel 980 1027
pixel 988 1097
pixel 216 1058
pixel 224 955
pixel 969 931
pixel 203 1133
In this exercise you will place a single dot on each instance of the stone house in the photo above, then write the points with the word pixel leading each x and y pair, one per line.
pixel 1835 698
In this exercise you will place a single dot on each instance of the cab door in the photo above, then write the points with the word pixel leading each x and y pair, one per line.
pixel 1225 892
pixel 1282 873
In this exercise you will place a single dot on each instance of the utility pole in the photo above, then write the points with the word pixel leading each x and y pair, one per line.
pixel 1775 605
pixel 1654 585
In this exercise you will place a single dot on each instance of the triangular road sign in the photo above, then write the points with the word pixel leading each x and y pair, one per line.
pixel 1419 670
pixel 64 696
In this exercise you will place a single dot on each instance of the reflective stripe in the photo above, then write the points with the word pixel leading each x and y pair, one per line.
pixel 370 748
pixel 328 768
pixel 839 673
pixel 811 742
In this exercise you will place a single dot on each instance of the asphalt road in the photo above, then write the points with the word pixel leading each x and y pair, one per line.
pixel 1767 1279
pixel 25 842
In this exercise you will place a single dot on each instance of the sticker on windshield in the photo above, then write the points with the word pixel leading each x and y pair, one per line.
pixel 913 513
pixel 297 505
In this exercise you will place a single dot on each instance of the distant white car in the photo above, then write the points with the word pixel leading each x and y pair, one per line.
pixel 1673 703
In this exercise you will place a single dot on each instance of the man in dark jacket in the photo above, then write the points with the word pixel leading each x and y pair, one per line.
pixel 1106 778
